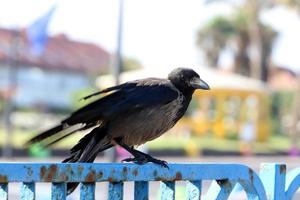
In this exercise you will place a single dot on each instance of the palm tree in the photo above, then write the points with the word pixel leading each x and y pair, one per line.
pixel 212 38
pixel 293 4
pixel 293 129
pixel 243 33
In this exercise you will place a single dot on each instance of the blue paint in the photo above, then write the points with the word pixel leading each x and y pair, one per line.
pixel 220 189
pixel 58 191
pixel 167 189
pixel 87 191
pixel 115 191
pixel 274 183
pixel 27 191
pixel 141 190
pixel 80 172
pixel 193 190
pixel 273 178
pixel 292 183
pixel 3 191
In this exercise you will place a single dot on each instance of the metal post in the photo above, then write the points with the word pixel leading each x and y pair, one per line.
pixel 7 150
pixel 119 59
pixel 118 64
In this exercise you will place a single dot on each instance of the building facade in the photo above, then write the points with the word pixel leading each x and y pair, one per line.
pixel 48 80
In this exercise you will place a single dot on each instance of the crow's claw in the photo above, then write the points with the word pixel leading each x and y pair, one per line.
pixel 141 160
pixel 159 162
pixel 137 160
pixel 128 160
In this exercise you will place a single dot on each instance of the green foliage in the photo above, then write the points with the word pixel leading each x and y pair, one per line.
pixel 274 144
pixel 131 64
pixel 293 4
pixel 38 151
pixel 235 33
pixel 281 106
pixel 78 102
pixel 213 36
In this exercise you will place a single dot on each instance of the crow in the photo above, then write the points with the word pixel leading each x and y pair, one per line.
pixel 129 115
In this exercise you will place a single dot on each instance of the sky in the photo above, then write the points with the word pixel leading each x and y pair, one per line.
pixel 157 33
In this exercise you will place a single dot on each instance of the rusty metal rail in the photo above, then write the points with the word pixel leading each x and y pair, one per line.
pixel 273 183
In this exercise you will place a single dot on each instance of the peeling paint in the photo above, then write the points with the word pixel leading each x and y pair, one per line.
pixel 91 177
pixel 42 171
pixel 178 176
pixel 135 172
pixel 29 171
pixel 99 175
pixel 251 175
pixel 80 169
pixel 282 169
pixel 48 174
pixel 116 174
pixel 125 171
pixel 3 179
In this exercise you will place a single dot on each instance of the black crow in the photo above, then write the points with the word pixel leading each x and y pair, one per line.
pixel 129 115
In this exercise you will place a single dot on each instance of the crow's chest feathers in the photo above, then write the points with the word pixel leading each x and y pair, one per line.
pixel 185 101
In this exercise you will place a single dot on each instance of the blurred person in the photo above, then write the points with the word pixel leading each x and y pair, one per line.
pixel 247 137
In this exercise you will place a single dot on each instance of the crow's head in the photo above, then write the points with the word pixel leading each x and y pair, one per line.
pixel 186 79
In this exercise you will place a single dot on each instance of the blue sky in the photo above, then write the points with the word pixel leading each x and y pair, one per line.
pixel 158 33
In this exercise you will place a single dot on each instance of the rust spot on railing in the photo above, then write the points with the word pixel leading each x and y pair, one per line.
pixel 135 172
pixel 111 179
pixel 48 174
pixel 64 176
pixel 3 179
pixel 91 177
pixel 178 176
pixel 80 169
pixel 43 171
pixel 251 175
pixel 282 169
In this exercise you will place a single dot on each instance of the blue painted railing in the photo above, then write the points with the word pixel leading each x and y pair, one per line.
pixel 272 183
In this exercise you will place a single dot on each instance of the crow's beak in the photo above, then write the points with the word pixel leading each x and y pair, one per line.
pixel 198 83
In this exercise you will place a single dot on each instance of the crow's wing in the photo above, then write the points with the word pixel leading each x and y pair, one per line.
pixel 128 97
pixel 52 134
pixel 110 89
pixel 150 92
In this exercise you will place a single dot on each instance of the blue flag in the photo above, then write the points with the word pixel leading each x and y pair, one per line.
pixel 37 33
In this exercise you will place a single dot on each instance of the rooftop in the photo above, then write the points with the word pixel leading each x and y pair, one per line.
pixel 61 53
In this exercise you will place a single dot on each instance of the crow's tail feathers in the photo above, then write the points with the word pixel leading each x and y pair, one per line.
pixel 45 134
pixel 86 150
pixel 72 186
pixel 57 133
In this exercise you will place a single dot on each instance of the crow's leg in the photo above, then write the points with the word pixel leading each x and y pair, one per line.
pixel 140 157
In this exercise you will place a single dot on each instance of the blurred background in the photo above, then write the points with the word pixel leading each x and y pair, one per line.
pixel 52 53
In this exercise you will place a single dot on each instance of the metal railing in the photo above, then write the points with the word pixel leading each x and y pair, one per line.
pixel 272 182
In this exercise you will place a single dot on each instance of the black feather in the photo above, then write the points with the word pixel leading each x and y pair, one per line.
pixel 45 134
pixel 125 85
pixel 149 93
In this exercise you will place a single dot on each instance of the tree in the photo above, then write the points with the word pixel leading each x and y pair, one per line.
pixel 212 38
pixel 293 4
pixel 249 39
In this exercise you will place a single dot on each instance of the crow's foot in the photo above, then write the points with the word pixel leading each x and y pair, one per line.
pixel 159 162
pixel 140 157
pixel 137 160
pixel 143 159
